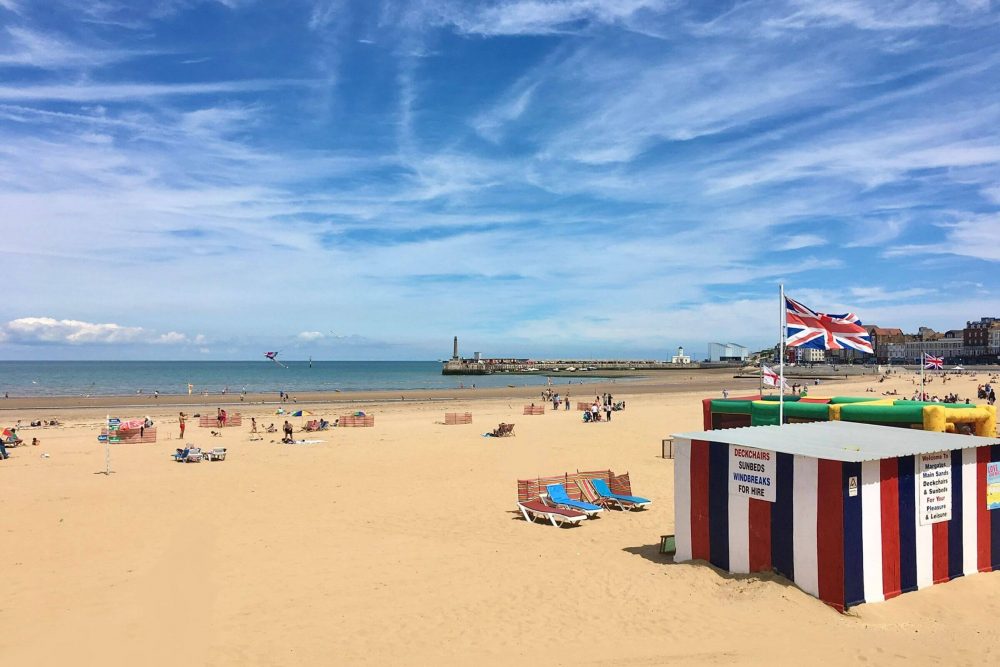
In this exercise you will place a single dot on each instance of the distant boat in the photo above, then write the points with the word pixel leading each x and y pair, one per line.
pixel 310 362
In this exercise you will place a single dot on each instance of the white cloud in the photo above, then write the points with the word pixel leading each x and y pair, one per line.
pixel 33 48
pixel 171 338
pixel 540 17
pixel 310 335
pixel 490 124
pixel 798 241
pixel 870 294
pixel 73 332
pixel 117 92
pixel 882 15
pixel 49 330
pixel 976 237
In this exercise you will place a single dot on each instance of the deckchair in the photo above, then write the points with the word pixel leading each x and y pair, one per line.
pixel 558 496
pixel 623 502
pixel 188 455
pixel 557 516
pixel 217 454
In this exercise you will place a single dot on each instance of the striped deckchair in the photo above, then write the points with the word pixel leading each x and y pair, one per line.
pixel 623 502
pixel 532 510
pixel 558 495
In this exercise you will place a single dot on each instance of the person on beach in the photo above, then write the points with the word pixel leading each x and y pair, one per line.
pixel 567 401
pixel 3 451
pixel 253 424
pixel 35 442
pixel 182 422
pixel 607 411
pixel 287 428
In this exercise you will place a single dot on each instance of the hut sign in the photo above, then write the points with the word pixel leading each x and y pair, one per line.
pixel 935 488
pixel 993 486
pixel 751 473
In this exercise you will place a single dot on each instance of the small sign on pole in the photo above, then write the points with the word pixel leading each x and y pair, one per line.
pixel 114 423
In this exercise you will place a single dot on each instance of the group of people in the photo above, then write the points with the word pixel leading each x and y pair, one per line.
pixel 10 438
pixel 318 424
pixel 986 391
pixel 604 402
pixel 557 400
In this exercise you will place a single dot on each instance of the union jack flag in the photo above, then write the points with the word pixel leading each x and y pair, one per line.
pixel 932 362
pixel 807 328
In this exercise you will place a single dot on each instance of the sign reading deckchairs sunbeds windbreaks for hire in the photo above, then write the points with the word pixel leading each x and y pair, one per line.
pixel 751 473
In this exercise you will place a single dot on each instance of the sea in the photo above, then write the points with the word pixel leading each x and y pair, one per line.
pixel 122 378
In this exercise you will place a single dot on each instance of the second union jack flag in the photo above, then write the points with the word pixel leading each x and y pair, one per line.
pixel 807 328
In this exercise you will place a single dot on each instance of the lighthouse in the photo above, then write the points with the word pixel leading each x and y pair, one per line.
pixel 454 354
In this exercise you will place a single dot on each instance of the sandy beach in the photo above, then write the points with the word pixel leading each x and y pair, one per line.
pixel 400 544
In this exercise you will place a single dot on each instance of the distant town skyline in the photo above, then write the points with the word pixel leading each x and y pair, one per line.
pixel 212 179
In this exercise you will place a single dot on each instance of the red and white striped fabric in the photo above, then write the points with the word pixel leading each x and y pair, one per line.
pixel 844 549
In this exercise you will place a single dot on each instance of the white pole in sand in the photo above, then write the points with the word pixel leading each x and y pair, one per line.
pixel 783 320
pixel 107 447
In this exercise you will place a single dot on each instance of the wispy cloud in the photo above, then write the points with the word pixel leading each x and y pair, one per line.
pixel 118 92
pixel 663 151
pixel 798 241
pixel 538 17
pixel 976 237
pixel 32 48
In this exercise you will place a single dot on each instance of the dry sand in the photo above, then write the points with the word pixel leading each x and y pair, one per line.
pixel 400 544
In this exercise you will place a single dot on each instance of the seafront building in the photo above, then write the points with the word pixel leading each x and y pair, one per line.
pixel 977 343
pixel 727 352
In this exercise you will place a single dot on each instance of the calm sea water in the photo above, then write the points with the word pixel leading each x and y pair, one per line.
pixel 116 378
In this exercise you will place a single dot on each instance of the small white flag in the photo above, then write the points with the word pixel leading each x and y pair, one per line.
pixel 771 379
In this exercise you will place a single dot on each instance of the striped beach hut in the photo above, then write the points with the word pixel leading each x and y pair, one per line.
pixel 849 512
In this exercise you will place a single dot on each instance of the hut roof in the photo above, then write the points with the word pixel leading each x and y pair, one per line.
pixel 852 442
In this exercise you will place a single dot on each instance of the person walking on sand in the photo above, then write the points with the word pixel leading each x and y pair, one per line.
pixel 253 424
pixel 182 422
pixel 567 401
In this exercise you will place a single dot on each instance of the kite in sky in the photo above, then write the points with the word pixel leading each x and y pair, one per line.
pixel 273 356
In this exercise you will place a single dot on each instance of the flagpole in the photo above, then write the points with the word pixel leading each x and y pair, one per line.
pixel 923 362
pixel 782 321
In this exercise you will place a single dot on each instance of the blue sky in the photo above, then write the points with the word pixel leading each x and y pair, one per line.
pixel 364 180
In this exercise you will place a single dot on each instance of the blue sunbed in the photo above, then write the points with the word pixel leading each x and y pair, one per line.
pixel 624 502
pixel 558 496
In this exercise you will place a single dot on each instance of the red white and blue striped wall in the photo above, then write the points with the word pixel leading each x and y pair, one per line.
pixel 843 549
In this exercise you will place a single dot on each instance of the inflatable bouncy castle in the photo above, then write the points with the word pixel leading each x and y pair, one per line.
pixel 755 410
